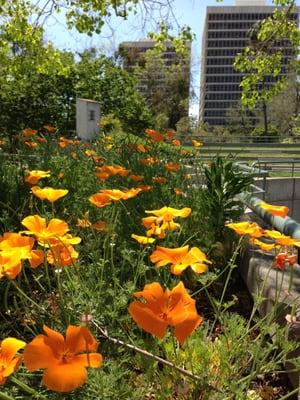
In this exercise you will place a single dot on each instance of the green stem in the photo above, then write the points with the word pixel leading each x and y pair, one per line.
pixel 27 388
pixel 4 396
pixel 295 391
pixel 27 297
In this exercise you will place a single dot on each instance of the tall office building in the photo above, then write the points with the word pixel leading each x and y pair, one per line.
pixel 152 84
pixel 226 33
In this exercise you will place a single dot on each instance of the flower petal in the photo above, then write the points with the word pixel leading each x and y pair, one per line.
pixel 79 339
pixel 38 354
pixel 92 360
pixel 147 320
pixel 9 347
pixel 185 328
pixel 64 377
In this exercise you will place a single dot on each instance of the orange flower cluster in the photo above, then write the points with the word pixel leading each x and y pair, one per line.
pixel 163 220
pixel 149 161
pixel 159 179
pixel 30 138
pixel 254 231
pixel 161 309
pixel 64 359
pixel 64 142
pixel 93 155
pixel 172 167
pixel 53 236
pixel 108 170
pixel 154 135
pixel 86 223
pixel 107 196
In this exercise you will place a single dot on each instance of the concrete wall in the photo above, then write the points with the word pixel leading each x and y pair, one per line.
pixel 276 286
pixel 282 191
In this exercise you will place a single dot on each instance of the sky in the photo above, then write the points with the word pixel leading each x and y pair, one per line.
pixel 187 12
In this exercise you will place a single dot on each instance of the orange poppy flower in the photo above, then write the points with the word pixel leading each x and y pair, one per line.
pixel 61 255
pixel 41 139
pixel 108 170
pixel 176 142
pixel 136 178
pixel 131 193
pixel 264 246
pixel 116 194
pixel 168 213
pixel 37 257
pixel 172 167
pixel 141 148
pixel 99 225
pixel 154 135
pixel 83 223
pixel 10 267
pixel 64 359
pixel 17 247
pixel 178 192
pixel 100 200
pixel 155 229
pixel 282 239
pixel 106 196
pixel 170 134
pixel 283 260
pixel 145 188
pixel 35 175
pixel 143 239
pixel 148 161
pixel 184 152
pixel 163 220
pixel 180 258
pixel 90 153
pixel 280 211
pixel 196 144
pixel 165 308
pixel 247 228
pixel 37 226
pixel 8 360
pixel 50 128
pixel 63 142
pixel 14 244
pixel 159 179
pixel 48 193
pixel 31 145
pixel 28 132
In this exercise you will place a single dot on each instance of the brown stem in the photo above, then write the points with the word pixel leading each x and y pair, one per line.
pixel 144 352
pixel 149 355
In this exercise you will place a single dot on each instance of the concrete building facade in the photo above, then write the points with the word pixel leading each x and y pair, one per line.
pixel 227 33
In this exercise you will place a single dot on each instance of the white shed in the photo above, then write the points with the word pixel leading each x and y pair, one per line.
pixel 87 119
